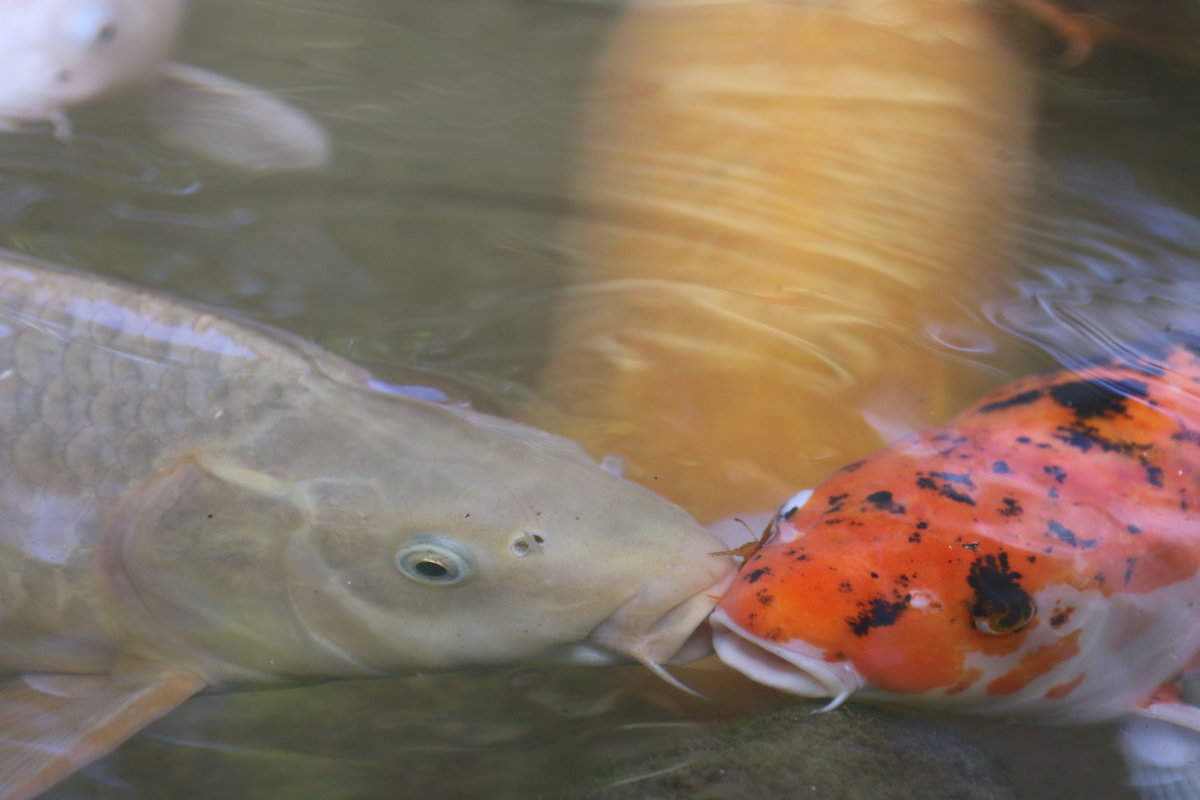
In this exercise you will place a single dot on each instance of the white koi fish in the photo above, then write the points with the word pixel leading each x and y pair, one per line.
pixel 58 54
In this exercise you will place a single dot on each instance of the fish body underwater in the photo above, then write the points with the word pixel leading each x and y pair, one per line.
pixel 193 502
pixel 59 54
pixel 1037 558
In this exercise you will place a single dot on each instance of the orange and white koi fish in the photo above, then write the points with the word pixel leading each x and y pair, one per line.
pixel 1037 557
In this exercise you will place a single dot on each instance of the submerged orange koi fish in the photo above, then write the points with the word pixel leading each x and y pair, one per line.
pixel 1037 557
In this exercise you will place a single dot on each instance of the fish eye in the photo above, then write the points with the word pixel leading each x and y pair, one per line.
pixel 93 23
pixel 1009 621
pixel 434 561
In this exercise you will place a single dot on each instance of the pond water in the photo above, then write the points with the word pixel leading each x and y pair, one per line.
pixel 430 252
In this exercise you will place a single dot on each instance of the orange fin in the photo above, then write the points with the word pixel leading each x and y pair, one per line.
pixel 1080 32
pixel 53 724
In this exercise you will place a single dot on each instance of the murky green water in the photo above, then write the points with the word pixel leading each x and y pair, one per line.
pixel 429 252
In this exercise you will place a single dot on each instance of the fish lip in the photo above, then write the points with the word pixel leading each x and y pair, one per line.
pixel 797 668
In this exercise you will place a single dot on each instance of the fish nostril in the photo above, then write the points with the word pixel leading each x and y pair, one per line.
pixel 526 543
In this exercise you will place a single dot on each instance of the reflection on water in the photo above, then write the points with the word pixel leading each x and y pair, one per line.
pixel 429 252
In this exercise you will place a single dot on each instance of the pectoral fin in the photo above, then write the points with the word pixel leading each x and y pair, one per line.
pixel 233 122
pixel 52 724
pixel 1162 749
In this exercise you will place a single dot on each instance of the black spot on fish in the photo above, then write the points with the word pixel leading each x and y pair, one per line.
pixel 946 489
pixel 1060 617
pixel 922 525
pixel 1078 439
pixel 1154 476
pixel 1134 529
pixel 915 537
pixel 753 577
pixel 834 499
pixel 1186 435
pixel 955 477
pixel 785 516
pixel 765 597
pixel 1085 437
pixel 884 502
pixel 1065 534
pixel 1024 398
pixel 845 587
pixel 1024 439
pixel 997 592
pixel 1097 398
pixel 1011 507
pixel 877 613
pixel 957 497
pixel 1000 468
pixel 1054 471
pixel 1130 564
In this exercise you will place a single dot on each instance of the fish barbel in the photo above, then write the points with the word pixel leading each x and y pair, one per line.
pixel 192 502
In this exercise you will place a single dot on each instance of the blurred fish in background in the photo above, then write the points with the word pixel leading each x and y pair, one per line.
pixel 59 54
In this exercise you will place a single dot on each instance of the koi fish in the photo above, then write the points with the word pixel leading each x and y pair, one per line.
pixel 189 502
pixel 58 54
pixel 782 195
pixel 1037 557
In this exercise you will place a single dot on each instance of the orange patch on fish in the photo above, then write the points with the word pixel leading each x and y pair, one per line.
pixel 968 680
pixel 1035 664
pixel 1061 690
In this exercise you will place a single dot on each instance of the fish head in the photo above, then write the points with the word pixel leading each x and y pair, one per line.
pixel 405 536
pixel 58 53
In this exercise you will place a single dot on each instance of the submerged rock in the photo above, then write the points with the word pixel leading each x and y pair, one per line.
pixel 857 752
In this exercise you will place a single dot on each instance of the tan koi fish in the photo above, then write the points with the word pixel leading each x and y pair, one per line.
pixel 192 502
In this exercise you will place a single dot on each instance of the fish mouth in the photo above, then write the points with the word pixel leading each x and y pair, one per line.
pixel 633 633
pixel 796 668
